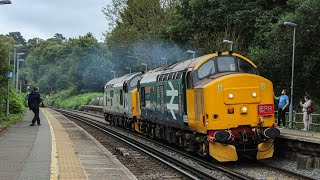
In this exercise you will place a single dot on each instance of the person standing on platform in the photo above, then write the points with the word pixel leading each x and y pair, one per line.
pixel 26 99
pixel 282 105
pixel 33 103
pixel 305 105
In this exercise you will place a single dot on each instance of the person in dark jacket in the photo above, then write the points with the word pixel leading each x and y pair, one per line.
pixel 33 103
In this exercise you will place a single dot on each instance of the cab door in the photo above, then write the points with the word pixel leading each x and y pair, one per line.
pixel 190 99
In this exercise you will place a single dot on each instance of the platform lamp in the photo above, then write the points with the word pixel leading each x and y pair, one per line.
pixel 8 90
pixel 192 52
pixel 14 61
pixel 129 69
pixel 165 59
pixel 5 2
pixel 114 74
pixel 18 60
pixel 228 42
pixel 293 25
pixel 144 64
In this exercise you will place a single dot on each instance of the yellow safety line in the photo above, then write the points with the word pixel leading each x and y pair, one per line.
pixel 54 167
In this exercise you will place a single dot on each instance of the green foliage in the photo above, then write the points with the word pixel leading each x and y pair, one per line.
pixel 274 57
pixel 16 100
pixel 66 100
pixel 57 63
pixel 148 31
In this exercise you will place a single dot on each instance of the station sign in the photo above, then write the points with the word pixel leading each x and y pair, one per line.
pixel 10 75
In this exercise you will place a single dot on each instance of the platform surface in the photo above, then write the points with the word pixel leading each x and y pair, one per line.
pixel 25 151
pixel 58 149
pixel 305 136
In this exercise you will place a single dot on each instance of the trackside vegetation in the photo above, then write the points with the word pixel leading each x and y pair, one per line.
pixel 66 101
pixel 156 32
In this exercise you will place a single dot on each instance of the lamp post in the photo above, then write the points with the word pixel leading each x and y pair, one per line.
pixel 165 60
pixel 144 64
pixel 8 85
pixel 17 80
pixel 114 74
pixel 192 52
pixel 290 24
pixel 129 69
pixel 5 2
pixel 228 42
pixel 14 61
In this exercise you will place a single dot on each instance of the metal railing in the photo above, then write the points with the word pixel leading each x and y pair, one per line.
pixel 313 123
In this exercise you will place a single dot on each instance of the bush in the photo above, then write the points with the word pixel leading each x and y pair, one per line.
pixel 16 111
pixel 65 99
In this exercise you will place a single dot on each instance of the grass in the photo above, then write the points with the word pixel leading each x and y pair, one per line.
pixel 17 110
pixel 13 118
pixel 66 99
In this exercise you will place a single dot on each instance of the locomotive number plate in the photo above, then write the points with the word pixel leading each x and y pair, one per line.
pixel 265 109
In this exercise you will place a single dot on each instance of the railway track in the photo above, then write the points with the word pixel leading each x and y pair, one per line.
pixel 186 169
pixel 283 170
pixel 207 164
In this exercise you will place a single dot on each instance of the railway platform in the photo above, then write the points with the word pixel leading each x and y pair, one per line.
pixel 58 149
pixel 305 136
pixel 302 146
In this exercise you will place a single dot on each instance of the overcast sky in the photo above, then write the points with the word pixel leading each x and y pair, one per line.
pixel 44 18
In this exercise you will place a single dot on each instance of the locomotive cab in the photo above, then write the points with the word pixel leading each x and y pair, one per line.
pixel 233 106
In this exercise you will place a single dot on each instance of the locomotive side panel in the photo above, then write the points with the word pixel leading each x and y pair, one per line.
pixel 162 102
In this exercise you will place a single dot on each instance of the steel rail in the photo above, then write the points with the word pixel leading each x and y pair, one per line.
pixel 221 168
pixel 228 172
pixel 181 167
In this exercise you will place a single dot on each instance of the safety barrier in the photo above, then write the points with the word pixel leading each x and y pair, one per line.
pixel 313 123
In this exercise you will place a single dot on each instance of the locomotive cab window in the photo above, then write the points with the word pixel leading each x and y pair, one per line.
pixel 207 69
pixel 226 64
pixel 134 81
pixel 246 67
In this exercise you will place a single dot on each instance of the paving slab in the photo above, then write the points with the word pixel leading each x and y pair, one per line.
pixel 96 161
pixel 304 136
pixel 25 151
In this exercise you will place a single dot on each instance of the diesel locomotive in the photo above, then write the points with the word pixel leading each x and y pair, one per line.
pixel 215 105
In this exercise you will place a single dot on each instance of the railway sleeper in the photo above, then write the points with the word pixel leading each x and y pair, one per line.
pixel 190 141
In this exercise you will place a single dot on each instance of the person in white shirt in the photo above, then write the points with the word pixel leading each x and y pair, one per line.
pixel 305 105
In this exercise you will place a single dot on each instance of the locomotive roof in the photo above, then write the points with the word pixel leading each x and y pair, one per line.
pixel 151 75
pixel 120 80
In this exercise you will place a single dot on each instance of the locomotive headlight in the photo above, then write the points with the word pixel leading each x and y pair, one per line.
pixel 230 96
pixel 244 110
pixel 254 94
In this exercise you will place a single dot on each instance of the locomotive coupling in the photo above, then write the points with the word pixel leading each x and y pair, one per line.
pixel 222 136
pixel 271 132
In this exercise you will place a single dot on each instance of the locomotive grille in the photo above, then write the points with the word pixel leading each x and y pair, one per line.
pixel 199 110
pixel 160 95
